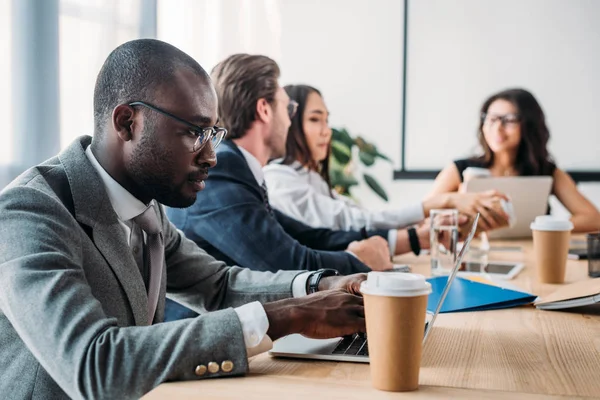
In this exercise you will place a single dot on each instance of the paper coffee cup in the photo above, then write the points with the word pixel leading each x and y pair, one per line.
pixel 395 311
pixel 551 237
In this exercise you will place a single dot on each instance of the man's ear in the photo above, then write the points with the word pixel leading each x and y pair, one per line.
pixel 122 121
pixel 263 110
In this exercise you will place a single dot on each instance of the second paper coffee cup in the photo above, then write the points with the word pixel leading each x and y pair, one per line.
pixel 395 309
pixel 551 247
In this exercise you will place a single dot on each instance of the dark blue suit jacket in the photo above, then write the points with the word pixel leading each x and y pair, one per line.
pixel 230 221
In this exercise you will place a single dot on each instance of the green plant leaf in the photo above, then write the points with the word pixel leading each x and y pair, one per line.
pixel 342 135
pixel 341 152
pixel 366 158
pixel 365 146
pixel 383 156
pixel 370 149
pixel 339 178
pixel 373 184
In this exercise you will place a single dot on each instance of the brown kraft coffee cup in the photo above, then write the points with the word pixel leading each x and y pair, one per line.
pixel 551 239
pixel 395 309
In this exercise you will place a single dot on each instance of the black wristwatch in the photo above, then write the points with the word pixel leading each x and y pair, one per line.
pixel 414 241
pixel 312 283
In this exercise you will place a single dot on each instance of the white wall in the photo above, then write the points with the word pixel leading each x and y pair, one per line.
pixel 352 51
pixel 461 51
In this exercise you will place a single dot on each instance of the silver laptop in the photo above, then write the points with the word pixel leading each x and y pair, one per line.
pixel 529 196
pixel 354 348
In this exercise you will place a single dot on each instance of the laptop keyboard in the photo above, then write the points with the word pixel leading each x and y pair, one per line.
pixel 353 345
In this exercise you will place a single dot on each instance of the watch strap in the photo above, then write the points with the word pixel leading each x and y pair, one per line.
pixel 414 241
pixel 312 284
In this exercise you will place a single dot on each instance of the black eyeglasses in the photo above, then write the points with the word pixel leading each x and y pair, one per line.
pixel 292 107
pixel 214 134
pixel 508 120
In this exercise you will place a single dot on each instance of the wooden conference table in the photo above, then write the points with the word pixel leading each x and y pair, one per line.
pixel 521 353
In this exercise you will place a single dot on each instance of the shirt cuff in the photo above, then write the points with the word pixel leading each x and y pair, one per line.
pixel 392 237
pixel 299 284
pixel 416 212
pixel 255 325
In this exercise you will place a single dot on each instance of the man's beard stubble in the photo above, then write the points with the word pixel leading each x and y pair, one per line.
pixel 148 169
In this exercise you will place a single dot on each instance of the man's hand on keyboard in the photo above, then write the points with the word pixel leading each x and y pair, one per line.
pixel 349 283
pixel 320 315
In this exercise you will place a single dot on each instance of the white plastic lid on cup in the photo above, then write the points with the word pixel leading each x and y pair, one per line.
pixel 551 223
pixel 396 284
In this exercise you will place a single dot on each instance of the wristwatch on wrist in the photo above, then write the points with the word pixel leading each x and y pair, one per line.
pixel 414 241
pixel 312 283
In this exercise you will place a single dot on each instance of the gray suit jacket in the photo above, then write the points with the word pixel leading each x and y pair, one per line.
pixel 73 302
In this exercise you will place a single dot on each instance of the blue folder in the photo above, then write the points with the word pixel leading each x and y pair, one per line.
pixel 468 295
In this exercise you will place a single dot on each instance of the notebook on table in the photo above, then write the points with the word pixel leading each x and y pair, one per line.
pixel 354 348
pixel 578 253
pixel 578 294
pixel 476 295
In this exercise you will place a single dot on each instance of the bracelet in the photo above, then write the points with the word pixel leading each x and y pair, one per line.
pixel 312 283
pixel 414 241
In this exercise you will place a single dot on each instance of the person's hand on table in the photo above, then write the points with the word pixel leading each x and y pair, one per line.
pixel 348 283
pixel 374 252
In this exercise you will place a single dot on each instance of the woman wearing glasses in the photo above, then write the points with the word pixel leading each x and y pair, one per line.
pixel 514 137
pixel 299 183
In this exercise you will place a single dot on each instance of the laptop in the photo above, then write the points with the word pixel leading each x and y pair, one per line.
pixel 354 348
pixel 529 197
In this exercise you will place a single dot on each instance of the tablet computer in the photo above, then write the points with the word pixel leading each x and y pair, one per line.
pixel 493 269
pixel 529 197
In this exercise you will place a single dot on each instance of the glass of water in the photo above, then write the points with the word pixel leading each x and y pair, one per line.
pixel 477 258
pixel 443 240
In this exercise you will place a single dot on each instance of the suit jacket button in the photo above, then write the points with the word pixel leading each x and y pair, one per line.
pixel 200 370
pixel 213 367
pixel 227 366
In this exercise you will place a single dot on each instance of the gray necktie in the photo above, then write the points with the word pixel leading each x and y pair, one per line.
pixel 265 196
pixel 155 254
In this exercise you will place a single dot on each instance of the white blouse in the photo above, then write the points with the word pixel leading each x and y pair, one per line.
pixel 305 196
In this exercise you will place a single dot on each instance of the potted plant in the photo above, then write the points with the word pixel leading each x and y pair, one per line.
pixel 341 163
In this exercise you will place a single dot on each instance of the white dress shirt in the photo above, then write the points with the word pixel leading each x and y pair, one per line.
pixel 259 175
pixel 304 195
pixel 253 318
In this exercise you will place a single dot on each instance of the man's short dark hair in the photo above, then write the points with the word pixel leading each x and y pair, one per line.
pixel 240 81
pixel 132 71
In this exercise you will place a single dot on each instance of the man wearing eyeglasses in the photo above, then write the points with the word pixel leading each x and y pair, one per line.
pixel 87 253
